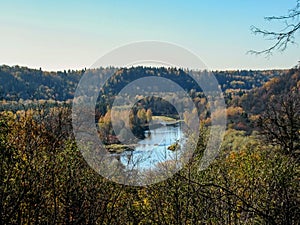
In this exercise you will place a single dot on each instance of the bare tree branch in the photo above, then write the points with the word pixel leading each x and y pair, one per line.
pixel 281 38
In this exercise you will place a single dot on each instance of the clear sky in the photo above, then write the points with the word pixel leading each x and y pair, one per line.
pixel 57 35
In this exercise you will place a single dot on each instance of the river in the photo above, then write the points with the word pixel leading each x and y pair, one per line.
pixel 154 148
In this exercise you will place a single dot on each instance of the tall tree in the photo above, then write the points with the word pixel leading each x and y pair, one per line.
pixel 280 122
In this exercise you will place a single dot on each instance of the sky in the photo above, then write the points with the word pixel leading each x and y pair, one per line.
pixel 57 35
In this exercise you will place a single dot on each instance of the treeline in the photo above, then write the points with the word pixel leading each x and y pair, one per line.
pixel 30 84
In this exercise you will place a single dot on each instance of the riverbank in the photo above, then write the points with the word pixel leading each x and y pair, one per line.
pixel 157 122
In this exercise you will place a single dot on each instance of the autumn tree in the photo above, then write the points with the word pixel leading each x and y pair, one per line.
pixel 280 122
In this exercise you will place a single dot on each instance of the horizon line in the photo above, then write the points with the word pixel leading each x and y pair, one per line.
pixel 146 66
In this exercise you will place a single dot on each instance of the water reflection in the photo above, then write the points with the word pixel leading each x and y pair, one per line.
pixel 154 148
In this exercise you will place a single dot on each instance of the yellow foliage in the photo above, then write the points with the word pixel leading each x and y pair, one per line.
pixel 231 111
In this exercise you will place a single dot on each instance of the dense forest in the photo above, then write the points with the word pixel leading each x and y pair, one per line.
pixel 254 179
pixel 21 83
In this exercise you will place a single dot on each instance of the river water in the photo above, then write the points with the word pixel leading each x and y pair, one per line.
pixel 154 148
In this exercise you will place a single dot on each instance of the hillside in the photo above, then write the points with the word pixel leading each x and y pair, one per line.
pixel 28 84
pixel 254 102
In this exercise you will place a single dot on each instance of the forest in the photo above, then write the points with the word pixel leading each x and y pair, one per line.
pixel 253 180
pixel 22 83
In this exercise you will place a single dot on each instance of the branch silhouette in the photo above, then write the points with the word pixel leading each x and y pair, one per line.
pixel 282 38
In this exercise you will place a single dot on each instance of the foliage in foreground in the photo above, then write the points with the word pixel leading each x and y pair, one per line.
pixel 45 180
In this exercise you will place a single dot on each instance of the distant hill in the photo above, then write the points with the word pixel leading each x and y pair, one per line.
pixel 30 84
pixel 254 102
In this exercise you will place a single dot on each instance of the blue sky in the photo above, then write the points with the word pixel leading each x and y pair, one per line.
pixel 57 35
